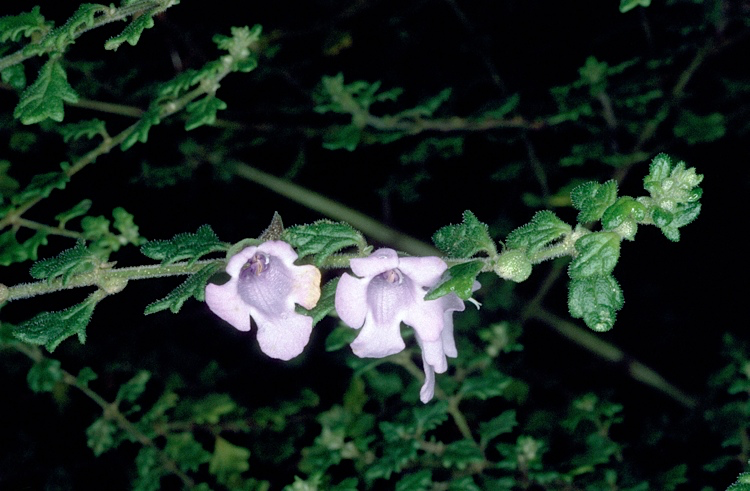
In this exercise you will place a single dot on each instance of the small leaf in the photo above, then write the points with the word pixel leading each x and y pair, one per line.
pixel 340 336
pixel 150 118
pixel 396 456
pixel 504 423
pixel 184 246
pixel 492 384
pixel 459 279
pixel 44 375
pixel 627 5
pixel 52 328
pixel 124 223
pixel 228 460
pixel 623 210
pixel 684 216
pixel 133 388
pixel 100 435
pixel 322 238
pixel 188 453
pixel 203 111
pixel 15 76
pixel 12 251
pixel 593 199
pixel 41 186
pixel 83 129
pixel 596 300
pixel 132 32
pixel 13 27
pixel 211 408
pixel 430 416
pixel 193 287
pixel 465 240
pixel 67 264
pixel 543 229
pixel 461 454
pixel 417 481
pixel 78 210
pixel 85 376
pixel 44 98
pixel 598 253
pixel 699 129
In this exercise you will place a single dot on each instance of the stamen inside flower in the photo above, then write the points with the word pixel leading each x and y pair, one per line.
pixel 393 276
pixel 257 264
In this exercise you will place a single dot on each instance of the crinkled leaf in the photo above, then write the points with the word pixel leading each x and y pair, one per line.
pixel 462 454
pixel 239 46
pixel 596 300
pixel 78 210
pixel 504 423
pixel 466 239
pixel 427 108
pixel 203 111
pixel 623 210
pixel 742 483
pixel 346 137
pixel 211 408
pixel 325 303
pixel 13 27
pixel 627 5
pixel 44 98
pixel 598 253
pixel 150 470
pixel 228 460
pixel 101 435
pixel 67 264
pixel 682 217
pixel 12 251
pixel 133 388
pixel 465 483
pixel 193 287
pixel 397 455
pixel 85 376
pixel 491 384
pixel 430 416
pixel 186 452
pixel 52 328
pixel 44 375
pixel 694 128
pixel 459 279
pixel 15 76
pixel 417 481
pixel 543 229
pixel 150 118
pixel 321 238
pixel 83 129
pixel 184 246
pixel 132 32
pixel 41 186
pixel 125 224
pixel 592 199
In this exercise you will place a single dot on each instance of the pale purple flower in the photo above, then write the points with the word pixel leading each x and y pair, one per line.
pixel 391 290
pixel 265 284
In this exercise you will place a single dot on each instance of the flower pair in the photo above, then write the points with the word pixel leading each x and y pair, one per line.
pixel 265 284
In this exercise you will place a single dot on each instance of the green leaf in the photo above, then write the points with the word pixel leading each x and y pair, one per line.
pixel 44 98
pixel 15 76
pixel 228 460
pixel 459 279
pixel 133 388
pixel 125 224
pixel 340 336
pixel 211 408
pixel 78 210
pixel 466 239
pixel 101 435
pixel 83 129
pixel 684 216
pixel 240 45
pixel 465 483
pixel 462 454
pixel 150 118
pixel 699 129
pixel 596 300
pixel 52 328
pixel 184 246
pixel 492 384
pixel 13 27
pixel 397 454
pixel 188 453
pixel 67 264
pixel 417 481
pixel 626 5
pixel 193 287
pixel 12 251
pixel 625 212
pixel 592 199
pixel 85 376
pixel 203 111
pixel 504 423
pixel 430 416
pixel 132 32
pixel 742 483
pixel 543 229
pixel 44 375
pixel 41 186
pixel 346 137
pixel 322 238
pixel 349 484
pixel 325 303
pixel 598 253
pixel 150 470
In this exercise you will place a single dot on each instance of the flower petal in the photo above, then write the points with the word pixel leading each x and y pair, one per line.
pixel 425 271
pixel 280 249
pixel 351 300
pixel 378 262
pixel 283 336
pixel 238 261
pixel 224 301
pixel 378 340
pixel 306 286
pixel 427 392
